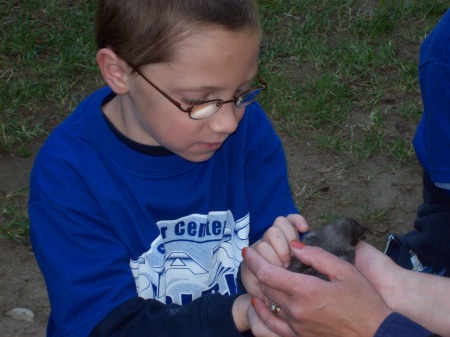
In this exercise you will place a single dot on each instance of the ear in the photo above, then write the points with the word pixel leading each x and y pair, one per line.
pixel 114 70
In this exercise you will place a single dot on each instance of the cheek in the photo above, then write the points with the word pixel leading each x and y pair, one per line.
pixel 240 114
pixel 175 132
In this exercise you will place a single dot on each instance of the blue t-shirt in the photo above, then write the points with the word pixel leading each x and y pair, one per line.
pixel 155 241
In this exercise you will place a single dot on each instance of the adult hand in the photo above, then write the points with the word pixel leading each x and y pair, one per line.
pixel 246 318
pixel 347 305
pixel 274 246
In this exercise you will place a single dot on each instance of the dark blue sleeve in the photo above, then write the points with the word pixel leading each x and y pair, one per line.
pixel 209 315
pixel 396 325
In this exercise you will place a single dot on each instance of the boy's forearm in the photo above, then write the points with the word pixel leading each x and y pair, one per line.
pixel 207 315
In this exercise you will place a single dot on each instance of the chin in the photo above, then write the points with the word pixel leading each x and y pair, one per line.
pixel 198 157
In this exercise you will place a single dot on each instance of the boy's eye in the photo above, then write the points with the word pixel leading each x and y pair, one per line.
pixel 192 101
pixel 238 92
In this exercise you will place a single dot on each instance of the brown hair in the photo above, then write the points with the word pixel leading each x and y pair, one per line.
pixel 145 31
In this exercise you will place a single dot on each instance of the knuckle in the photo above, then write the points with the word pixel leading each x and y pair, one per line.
pixel 261 246
pixel 295 312
pixel 263 275
pixel 273 230
pixel 270 323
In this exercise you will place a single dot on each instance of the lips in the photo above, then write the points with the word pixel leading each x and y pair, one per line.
pixel 212 146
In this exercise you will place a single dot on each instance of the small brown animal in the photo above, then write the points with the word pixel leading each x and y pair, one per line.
pixel 339 237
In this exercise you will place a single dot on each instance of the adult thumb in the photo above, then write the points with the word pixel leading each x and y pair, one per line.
pixel 318 258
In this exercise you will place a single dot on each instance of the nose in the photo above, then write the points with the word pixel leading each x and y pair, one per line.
pixel 227 119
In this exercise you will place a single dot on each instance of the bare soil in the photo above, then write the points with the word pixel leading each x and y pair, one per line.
pixel 322 183
pixel 21 282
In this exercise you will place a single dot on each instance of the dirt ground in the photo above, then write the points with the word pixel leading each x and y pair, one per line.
pixel 21 283
pixel 322 183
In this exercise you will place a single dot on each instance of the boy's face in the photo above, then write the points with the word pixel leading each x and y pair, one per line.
pixel 208 65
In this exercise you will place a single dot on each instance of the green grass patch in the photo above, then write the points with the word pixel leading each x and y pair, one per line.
pixel 14 215
pixel 361 55
pixel 47 59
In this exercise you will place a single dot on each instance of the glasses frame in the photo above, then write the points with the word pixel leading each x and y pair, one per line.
pixel 218 101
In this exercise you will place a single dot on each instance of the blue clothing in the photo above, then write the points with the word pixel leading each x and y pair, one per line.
pixel 396 325
pixel 432 139
pixel 427 247
pixel 136 244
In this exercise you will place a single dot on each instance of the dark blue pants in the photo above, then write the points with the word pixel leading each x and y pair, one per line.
pixel 429 243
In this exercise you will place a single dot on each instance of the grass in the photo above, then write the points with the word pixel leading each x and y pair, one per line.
pixel 46 60
pixel 15 215
pixel 356 64
pixel 337 73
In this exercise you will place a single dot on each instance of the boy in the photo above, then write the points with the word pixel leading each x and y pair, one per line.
pixel 142 200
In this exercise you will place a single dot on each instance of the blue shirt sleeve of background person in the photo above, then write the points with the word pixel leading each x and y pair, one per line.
pixel 432 139
pixel 396 325
pixel 134 244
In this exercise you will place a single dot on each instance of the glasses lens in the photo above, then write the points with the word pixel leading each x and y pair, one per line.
pixel 247 97
pixel 205 110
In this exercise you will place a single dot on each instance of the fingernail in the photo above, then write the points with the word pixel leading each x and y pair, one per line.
pixel 253 302
pixel 244 251
pixel 297 244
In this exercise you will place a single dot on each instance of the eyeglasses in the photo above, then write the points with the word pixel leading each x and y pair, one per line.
pixel 208 108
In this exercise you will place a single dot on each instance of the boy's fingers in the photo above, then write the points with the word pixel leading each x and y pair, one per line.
pixel 267 252
pixel 299 222
pixel 279 236
pixel 287 227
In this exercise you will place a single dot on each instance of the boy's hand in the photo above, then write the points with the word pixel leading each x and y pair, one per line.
pixel 274 246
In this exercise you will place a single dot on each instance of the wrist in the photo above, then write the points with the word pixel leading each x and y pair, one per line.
pixel 239 312
pixel 393 290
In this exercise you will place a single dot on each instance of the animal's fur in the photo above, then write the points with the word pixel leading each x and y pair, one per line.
pixel 339 237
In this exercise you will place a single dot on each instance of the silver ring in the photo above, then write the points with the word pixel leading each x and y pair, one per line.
pixel 275 309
